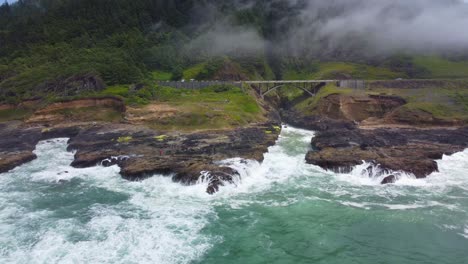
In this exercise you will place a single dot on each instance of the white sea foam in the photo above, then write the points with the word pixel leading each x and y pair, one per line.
pixel 159 223
pixel 452 172
pixel 162 222
pixel 465 232
pixel 281 164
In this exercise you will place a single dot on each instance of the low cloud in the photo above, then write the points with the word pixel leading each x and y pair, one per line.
pixel 340 27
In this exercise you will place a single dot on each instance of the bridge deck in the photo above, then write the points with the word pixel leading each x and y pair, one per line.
pixel 286 82
pixel 355 84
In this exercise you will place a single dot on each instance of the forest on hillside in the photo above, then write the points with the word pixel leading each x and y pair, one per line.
pixel 130 41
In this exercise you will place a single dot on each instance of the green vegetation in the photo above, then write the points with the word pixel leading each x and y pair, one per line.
pixel 126 139
pixel 340 70
pixel 194 71
pixel 46 42
pixel 117 90
pixel 160 138
pixel 105 114
pixel 215 107
pixel 15 114
pixel 442 68
pixel 309 105
pixel 449 100
pixel 161 75
pixel 439 111
pixel 205 70
pixel 53 50
pixel 134 95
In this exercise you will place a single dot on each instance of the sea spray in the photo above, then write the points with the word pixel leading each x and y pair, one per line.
pixel 281 210
pixel 53 213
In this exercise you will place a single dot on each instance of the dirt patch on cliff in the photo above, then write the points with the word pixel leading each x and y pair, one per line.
pixel 150 113
pixel 6 107
pixel 358 107
pixel 92 109
pixel 110 102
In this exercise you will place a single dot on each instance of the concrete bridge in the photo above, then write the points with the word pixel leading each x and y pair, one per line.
pixel 263 88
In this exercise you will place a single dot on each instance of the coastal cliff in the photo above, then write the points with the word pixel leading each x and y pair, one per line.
pixel 399 126
pixel 156 138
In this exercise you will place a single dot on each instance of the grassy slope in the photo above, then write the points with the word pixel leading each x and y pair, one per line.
pixel 209 108
pixel 192 72
pixel 161 75
pixel 214 107
pixel 441 68
pixel 450 101
pixel 14 114
pixel 444 102
pixel 308 106
pixel 329 70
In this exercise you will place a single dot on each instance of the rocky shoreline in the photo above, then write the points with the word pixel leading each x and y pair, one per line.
pixel 341 143
pixel 141 152
pixel 412 151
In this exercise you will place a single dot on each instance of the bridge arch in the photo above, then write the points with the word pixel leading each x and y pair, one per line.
pixel 315 88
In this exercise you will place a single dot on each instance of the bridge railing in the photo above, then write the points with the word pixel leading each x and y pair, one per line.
pixel 353 84
pixel 196 85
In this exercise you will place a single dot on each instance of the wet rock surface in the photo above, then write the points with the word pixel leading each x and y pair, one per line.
pixel 389 179
pixel 352 128
pixel 141 152
pixel 315 122
pixel 16 147
pixel 410 150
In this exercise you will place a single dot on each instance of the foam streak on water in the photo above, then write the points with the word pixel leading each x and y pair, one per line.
pixel 53 213
pixel 281 210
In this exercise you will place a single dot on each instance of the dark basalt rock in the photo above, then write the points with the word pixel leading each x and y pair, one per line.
pixel 314 122
pixel 409 150
pixel 141 152
pixel 389 179
pixel 17 145
pixel 9 161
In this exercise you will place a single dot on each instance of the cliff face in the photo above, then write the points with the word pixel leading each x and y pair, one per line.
pixel 410 150
pixel 370 111
pixel 385 130
pixel 104 132
pixel 358 108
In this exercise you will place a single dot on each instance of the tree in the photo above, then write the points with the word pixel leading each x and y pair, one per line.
pixel 177 74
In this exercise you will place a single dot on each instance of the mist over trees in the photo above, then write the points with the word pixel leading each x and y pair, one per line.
pixel 122 40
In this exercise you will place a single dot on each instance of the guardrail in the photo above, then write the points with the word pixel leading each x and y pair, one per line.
pixel 353 84
pixel 194 85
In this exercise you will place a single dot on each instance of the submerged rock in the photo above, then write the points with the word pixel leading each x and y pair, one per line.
pixel 389 179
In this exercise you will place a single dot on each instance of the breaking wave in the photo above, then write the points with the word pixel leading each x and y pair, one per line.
pixel 53 213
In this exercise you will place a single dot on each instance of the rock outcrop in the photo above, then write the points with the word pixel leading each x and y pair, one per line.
pixel 16 145
pixel 410 150
pixel 141 152
pixel 352 128
pixel 76 110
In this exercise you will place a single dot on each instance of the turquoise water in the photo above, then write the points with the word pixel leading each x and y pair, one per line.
pixel 281 211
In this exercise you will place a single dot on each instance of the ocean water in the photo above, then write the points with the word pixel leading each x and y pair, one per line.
pixel 280 211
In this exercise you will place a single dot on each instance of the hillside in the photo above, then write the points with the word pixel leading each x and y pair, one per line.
pixel 68 48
